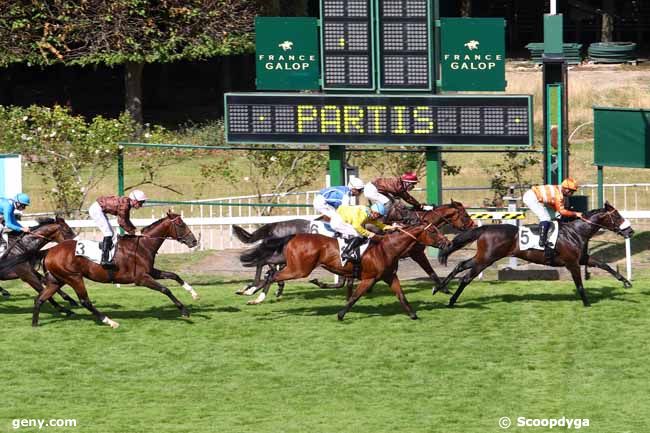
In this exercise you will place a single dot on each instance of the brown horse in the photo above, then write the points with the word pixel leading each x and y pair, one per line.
pixel 497 241
pixel 134 261
pixel 48 230
pixel 302 253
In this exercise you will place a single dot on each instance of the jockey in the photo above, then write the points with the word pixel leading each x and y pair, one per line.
pixel 8 207
pixel 329 199
pixel 119 206
pixel 351 225
pixel 542 197
pixel 383 190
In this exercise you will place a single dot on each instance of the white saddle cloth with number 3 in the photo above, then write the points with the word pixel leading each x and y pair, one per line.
pixel 92 250
pixel 530 241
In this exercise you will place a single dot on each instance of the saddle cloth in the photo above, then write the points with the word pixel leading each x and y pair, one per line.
pixel 324 228
pixel 92 250
pixel 529 238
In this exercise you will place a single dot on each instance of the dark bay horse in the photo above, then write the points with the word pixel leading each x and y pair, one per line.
pixel 48 230
pixel 302 253
pixel 134 261
pixel 497 241
pixel 453 213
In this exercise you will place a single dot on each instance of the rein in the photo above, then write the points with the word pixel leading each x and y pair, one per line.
pixel 426 229
pixel 608 213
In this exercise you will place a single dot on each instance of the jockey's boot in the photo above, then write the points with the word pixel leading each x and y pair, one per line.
pixel 107 244
pixel 351 250
pixel 544 227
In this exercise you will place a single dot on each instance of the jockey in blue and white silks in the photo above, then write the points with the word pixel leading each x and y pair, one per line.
pixel 8 207
pixel 329 199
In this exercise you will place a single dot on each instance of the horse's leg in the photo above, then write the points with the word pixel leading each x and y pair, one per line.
pixel 350 286
pixel 166 275
pixel 605 267
pixel 4 293
pixel 476 268
pixel 322 285
pixel 51 286
pixel 362 288
pixel 273 276
pixel 396 287
pixel 574 268
pixel 251 288
pixel 147 280
pixel 419 256
pixel 77 283
pixel 462 266
pixel 61 293
pixel 36 282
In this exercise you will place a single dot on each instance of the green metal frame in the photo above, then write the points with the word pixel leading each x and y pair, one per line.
pixel 554 103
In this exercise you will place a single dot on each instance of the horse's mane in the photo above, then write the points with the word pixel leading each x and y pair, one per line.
pixel 160 221
pixel 43 221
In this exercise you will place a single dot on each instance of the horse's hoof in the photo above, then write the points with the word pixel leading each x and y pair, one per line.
pixel 450 305
pixel 414 316
pixel 253 302
pixel 108 321
pixel 241 291
pixel 70 313
pixel 627 284
pixel 6 295
pixel 340 315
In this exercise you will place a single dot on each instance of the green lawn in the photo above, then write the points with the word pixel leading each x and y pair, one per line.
pixel 508 349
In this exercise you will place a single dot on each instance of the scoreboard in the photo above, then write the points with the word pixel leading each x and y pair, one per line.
pixel 346 37
pixel 424 120
pixel 405 40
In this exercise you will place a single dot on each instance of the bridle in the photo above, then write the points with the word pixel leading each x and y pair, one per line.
pixel 611 219
pixel 426 229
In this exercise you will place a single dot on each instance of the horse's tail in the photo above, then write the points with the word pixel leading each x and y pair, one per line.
pixel 249 238
pixel 265 250
pixel 459 242
pixel 29 256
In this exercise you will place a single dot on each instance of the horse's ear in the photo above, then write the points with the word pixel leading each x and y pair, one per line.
pixel 169 212
pixel 607 205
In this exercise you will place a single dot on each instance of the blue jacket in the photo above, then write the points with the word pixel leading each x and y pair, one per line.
pixel 335 196
pixel 7 207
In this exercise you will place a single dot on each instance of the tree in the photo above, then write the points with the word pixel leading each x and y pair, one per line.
pixel 267 172
pixel 128 32
pixel 510 172
pixel 65 150
pixel 397 163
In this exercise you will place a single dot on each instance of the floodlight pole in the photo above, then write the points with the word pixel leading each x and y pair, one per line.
pixel 433 154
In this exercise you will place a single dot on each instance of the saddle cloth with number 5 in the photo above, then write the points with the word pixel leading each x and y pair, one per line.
pixel 92 250
pixel 529 239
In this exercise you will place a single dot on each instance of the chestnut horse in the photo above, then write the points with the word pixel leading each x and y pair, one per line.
pixel 134 261
pixel 497 241
pixel 302 253
pixel 48 230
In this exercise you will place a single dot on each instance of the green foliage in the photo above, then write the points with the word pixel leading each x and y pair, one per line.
pixel 267 171
pixel 119 31
pixel 396 163
pixel 65 150
pixel 510 172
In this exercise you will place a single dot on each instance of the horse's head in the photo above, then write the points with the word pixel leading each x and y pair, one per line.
pixel 54 229
pixel 174 227
pixel 453 213
pixel 609 218
pixel 432 237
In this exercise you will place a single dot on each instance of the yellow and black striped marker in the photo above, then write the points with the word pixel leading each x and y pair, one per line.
pixel 497 215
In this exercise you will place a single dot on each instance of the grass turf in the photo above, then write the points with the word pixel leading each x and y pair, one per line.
pixel 508 349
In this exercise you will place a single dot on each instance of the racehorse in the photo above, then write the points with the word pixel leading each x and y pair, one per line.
pixel 453 213
pixel 47 230
pixel 134 261
pixel 497 241
pixel 302 253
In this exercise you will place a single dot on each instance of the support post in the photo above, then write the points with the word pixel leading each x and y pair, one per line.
pixel 601 189
pixel 120 170
pixel 434 176
pixel 337 165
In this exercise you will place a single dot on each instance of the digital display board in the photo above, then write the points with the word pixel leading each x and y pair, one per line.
pixel 346 38
pixel 404 44
pixel 424 120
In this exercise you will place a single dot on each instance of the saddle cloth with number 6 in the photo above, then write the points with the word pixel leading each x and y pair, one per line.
pixel 92 250
pixel 529 239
